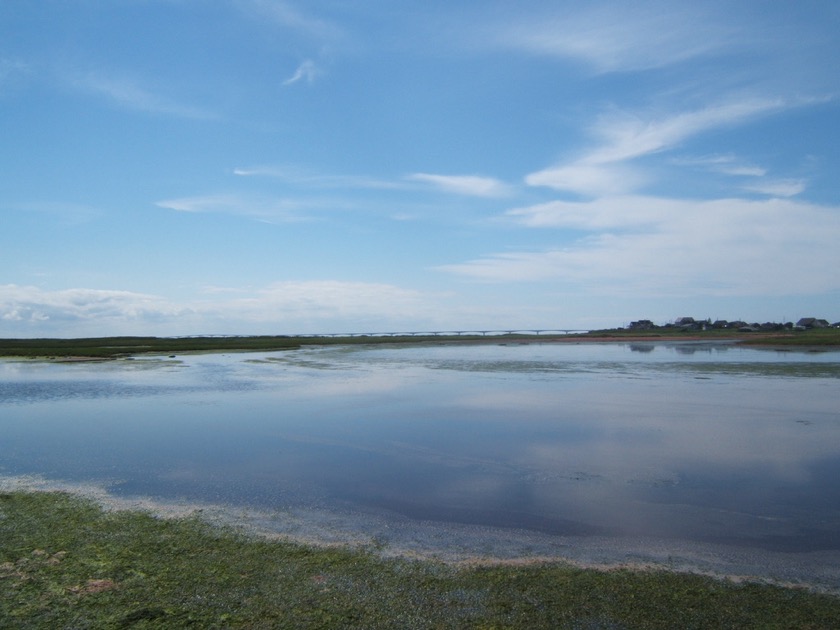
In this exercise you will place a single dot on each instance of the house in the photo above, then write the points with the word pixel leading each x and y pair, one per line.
pixel 812 322
pixel 642 324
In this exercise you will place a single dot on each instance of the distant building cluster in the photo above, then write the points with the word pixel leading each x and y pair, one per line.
pixel 688 324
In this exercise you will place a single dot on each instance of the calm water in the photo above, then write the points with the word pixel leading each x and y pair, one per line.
pixel 688 441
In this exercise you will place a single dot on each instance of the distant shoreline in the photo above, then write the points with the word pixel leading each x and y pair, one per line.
pixel 106 348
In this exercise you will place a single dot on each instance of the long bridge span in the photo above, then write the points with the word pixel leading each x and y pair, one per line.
pixel 452 333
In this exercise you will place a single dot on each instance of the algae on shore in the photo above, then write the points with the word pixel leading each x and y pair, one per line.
pixel 64 562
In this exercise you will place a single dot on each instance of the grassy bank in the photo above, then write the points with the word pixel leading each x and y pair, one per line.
pixel 64 563
pixel 116 347
pixel 816 337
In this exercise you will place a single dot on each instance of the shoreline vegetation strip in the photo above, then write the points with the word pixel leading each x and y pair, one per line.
pixel 65 562
pixel 121 347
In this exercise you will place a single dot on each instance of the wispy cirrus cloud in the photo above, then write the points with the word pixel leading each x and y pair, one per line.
pixel 627 136
pixel 624 137
pixel 302 177
pixel 618 37
pixel 471 185
pixel 723 164
pixel 130 94
pixel 321 37
pixel 674 247
pixel 289 16
pixel 307 72
pixel 591 179
pixel 319 301
pixel 610 213
pixel 468 185
pixel 304 202
pixel 777 188
pixel 264 209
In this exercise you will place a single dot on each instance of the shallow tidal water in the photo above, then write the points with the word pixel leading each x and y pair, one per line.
pixel 504 449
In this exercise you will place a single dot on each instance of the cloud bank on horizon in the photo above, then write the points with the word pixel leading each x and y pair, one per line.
pixel 273 166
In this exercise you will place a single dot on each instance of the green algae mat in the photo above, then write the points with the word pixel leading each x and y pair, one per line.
pixel 66 563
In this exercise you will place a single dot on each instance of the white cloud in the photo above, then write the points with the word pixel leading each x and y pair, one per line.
pixel 468 185
pixel 270 210
pixel 777 188
pixel 618 37
pixel 281 308
pixel 471 185
pixel 626 137
pixel 605 214
pixel 288 16
pixel 590 179
pixel 29 304
pixel 208 203
pixel 631 136
pixel 301 177
pixel 324 300
pixel 306 71
pixel 741 170
pixel 128 93
pixel 724 164
pixel 643 245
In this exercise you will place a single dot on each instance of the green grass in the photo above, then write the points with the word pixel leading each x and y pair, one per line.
pixel 116 347
pixel 111 347
pixel 816 337
pixel 64 563
pixel 826 337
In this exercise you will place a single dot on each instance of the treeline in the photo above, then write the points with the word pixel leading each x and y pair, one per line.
pixel 691 324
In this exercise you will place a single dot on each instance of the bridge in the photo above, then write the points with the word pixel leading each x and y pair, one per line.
pixel 453 333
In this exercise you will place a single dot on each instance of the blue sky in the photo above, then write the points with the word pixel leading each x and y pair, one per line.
pixel 181 167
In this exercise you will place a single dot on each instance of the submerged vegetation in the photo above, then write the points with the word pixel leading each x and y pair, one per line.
pixel 66 563
pixel 117 347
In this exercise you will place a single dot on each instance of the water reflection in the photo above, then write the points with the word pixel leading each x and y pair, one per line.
pixel 702 442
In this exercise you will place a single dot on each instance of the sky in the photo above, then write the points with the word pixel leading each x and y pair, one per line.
pixel 185 167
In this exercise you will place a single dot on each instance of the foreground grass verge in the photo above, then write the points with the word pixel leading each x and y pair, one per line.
pixel 64 563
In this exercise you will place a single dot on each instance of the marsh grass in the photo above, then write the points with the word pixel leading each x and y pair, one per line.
pixel 116 347
pixel 65 563
pixel 815 337
pixel 113 347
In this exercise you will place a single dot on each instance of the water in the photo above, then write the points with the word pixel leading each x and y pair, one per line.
pixel 683 442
